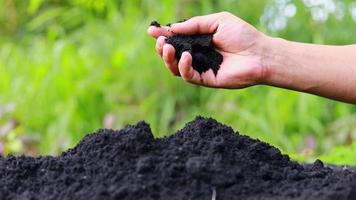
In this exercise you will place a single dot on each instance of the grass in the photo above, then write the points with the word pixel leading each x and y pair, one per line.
pixel 106 73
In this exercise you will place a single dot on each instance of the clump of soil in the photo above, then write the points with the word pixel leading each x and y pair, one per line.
pixel 201 48
pixel 155 23
pixel 204 55
pixel 204 160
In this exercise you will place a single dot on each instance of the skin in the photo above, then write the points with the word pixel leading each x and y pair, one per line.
pixel 253 58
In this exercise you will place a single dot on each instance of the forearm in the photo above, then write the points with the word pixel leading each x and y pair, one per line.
pixel 328 71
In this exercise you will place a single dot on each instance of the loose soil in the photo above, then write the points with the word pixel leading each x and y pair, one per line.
pixel 201 48
pixel 204 160
pixel 204 55
pixel 155 23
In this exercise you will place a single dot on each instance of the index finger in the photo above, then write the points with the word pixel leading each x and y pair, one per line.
pixel 159 31
pixel 197 25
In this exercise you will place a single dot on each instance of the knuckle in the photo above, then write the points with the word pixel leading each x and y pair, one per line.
pixel 184 75
pixel 189 75
pixel 225 13
pixel 161 38
pixel 195 18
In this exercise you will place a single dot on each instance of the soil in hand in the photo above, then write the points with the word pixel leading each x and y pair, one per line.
pixel 204 160
pixel 204 55
pixel 201 48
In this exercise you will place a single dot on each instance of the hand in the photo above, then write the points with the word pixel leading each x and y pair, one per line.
pixel 236 40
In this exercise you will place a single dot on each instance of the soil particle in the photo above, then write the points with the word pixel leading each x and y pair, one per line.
pixel 155 23
pixel 204 160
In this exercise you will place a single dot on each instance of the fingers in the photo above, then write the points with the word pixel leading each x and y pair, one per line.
pixel 186 70
pixel 198 25
pixel 161 40
pixel 192 76
pixel 167 52
pixel 159 31
pixel 169 57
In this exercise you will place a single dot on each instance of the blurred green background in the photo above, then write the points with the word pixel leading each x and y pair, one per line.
pixel 70 67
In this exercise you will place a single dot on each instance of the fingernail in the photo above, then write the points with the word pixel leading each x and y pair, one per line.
pixel 150 29
pixel 185 54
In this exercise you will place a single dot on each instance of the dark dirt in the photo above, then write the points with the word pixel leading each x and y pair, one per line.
pixel 201 48
pixel 204 160
pixel 204 55
pixel 155 23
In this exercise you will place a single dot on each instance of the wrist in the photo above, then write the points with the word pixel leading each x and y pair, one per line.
pixel 274 60
pixel 286 65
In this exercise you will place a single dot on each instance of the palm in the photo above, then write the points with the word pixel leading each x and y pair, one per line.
pixel 236 71
pixel 240 67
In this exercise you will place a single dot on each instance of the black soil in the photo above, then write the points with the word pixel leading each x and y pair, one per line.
pixel 204 160
pixel 155 23
pixel 201 48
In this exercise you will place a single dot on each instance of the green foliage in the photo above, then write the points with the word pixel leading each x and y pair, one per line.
pixel 72 67
pixel 341 155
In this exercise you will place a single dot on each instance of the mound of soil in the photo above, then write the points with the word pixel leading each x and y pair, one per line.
pixel 204 160
pixel 201 48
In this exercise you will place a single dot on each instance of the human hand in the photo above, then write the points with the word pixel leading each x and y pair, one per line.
pixel 238 42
